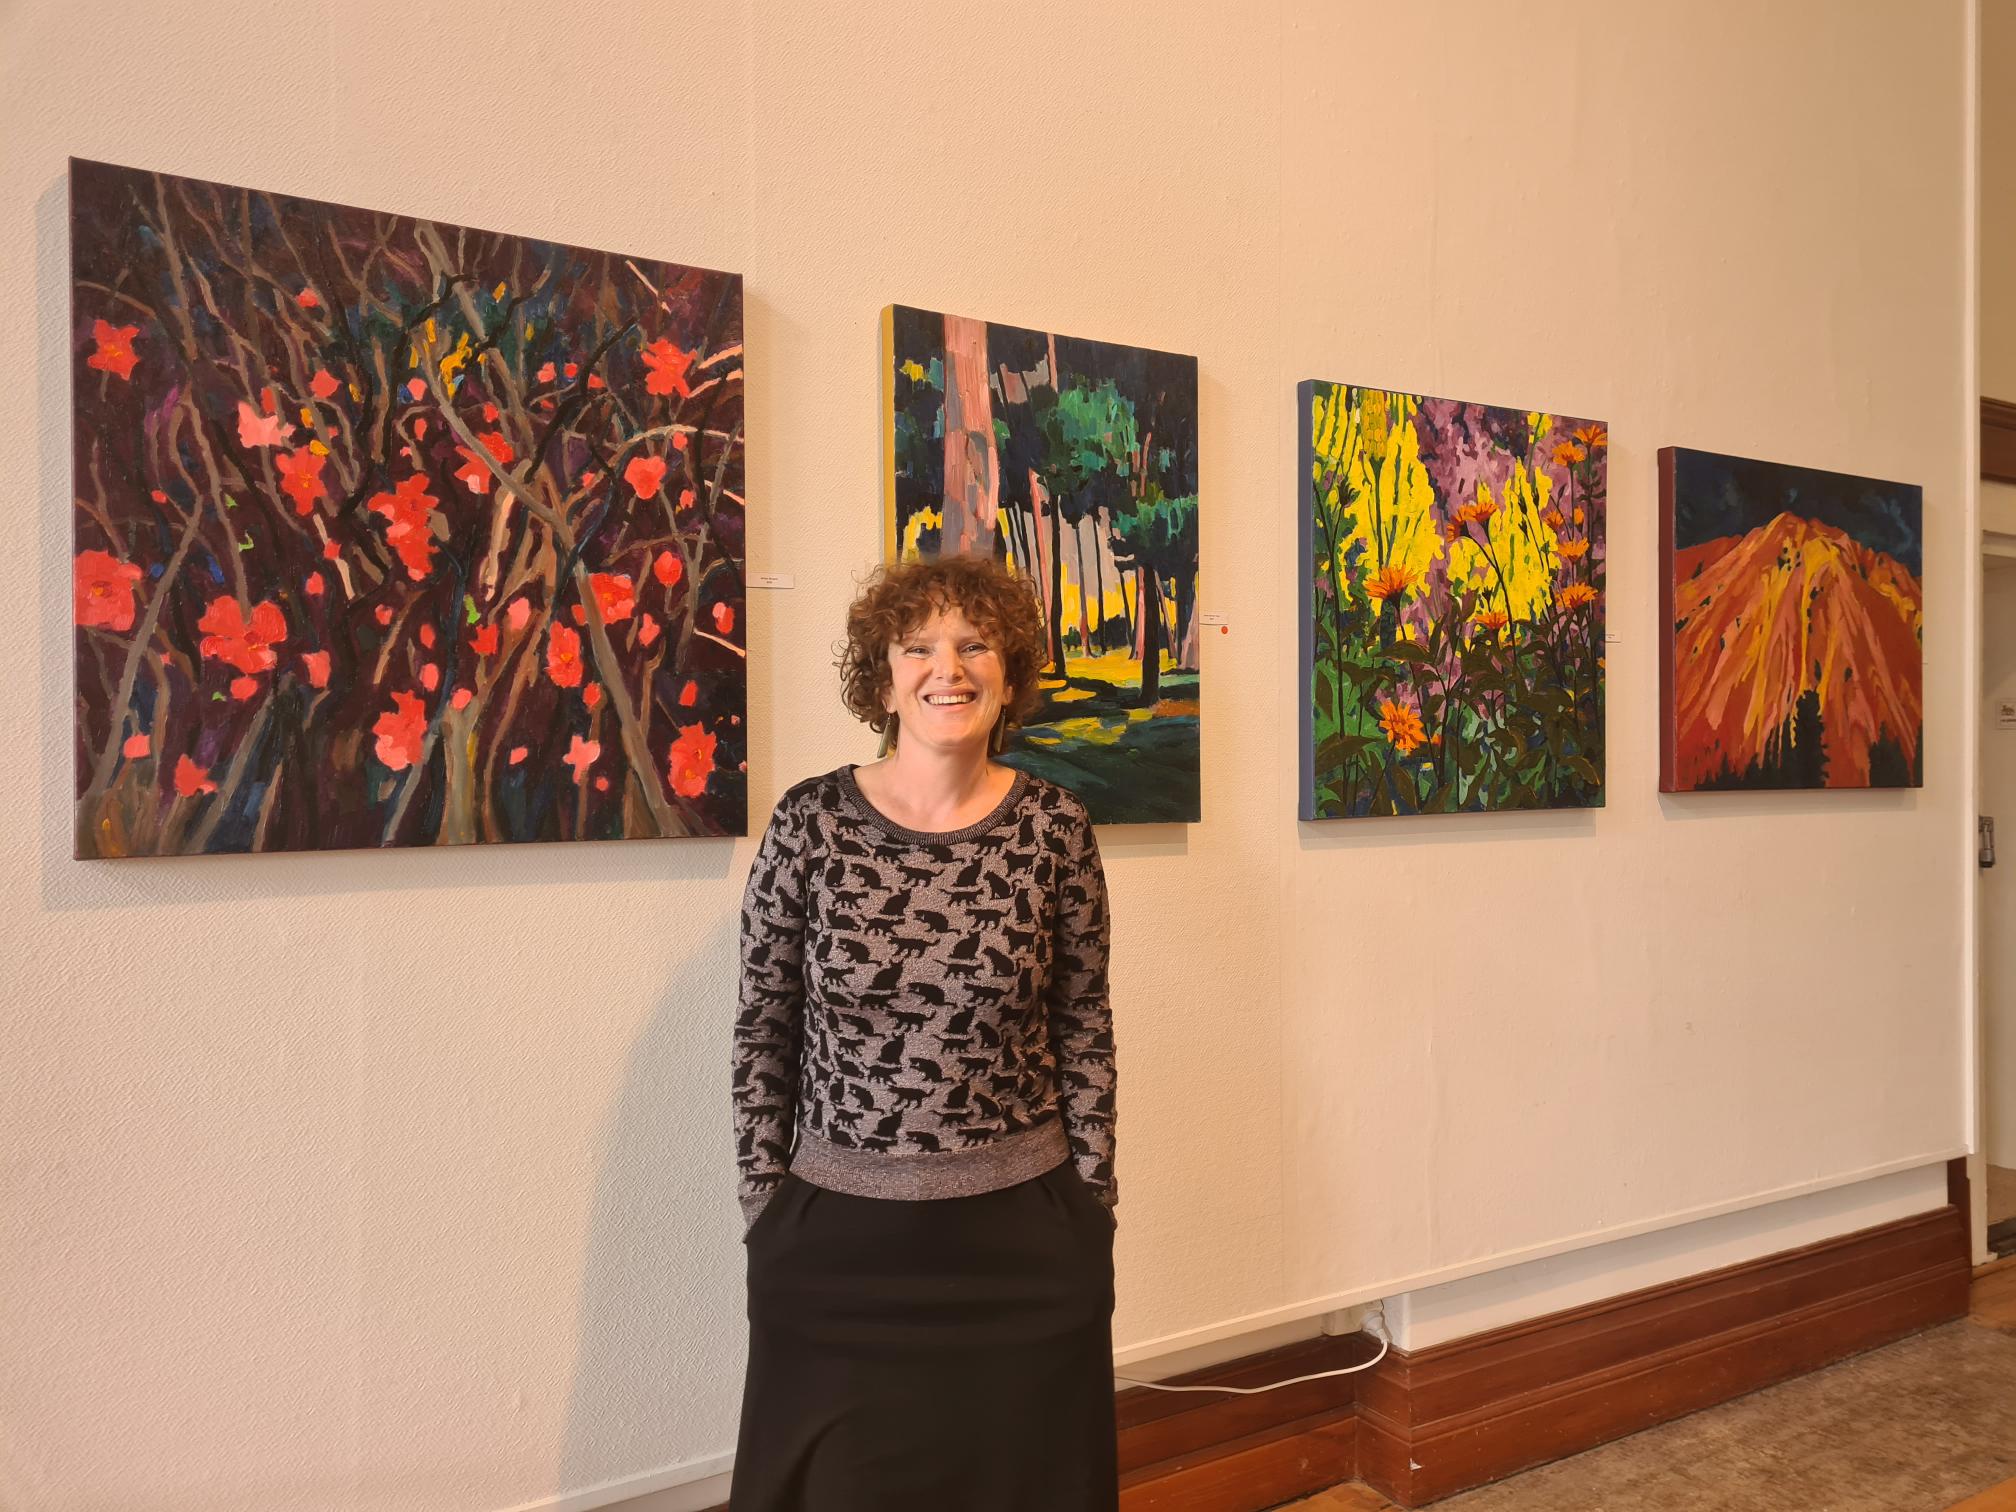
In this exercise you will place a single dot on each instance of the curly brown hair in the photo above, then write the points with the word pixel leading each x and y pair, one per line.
pixel 897 598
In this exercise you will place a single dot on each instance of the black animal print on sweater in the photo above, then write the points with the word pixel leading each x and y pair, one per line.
pixel 923 1015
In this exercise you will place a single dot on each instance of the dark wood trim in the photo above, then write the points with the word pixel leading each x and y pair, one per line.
pixel 1445 1419
pixel 1998 440
pixel 1215 1452
pixel 1424 1425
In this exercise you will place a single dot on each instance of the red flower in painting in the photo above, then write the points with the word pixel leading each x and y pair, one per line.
pixel 692 759
pixel 563 657
pixel 484 641
pixel 518 614
pixel 474 471
pixel 243 688
pixel 592 694
pixel 115 354
pixel 668 369
pixel 323 384
pixel 136 748
pixel 689 695
pixel 581 755
pixel 408 515
pixel 400 731
pixel 613 595
pixel 317 663
pixel 301 477
pixel 190 779
pixel 668 568
pixel 308 299
pixel 245 644
pixel 646 475
pixel 255 429
pixel 724 617
pixel 647 630
pixel 102 590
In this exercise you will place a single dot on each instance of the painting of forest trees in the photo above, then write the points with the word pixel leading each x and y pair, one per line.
pixel 389 532
pixel 1452 593
pixel 1793 653
pixel 1075 462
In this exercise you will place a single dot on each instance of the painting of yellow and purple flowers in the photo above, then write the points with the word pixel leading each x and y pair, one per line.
pixel 389 532
pixel 1452 597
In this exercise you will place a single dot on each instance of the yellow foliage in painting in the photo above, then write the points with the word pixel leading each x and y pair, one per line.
pixel 1366 448
pixel 918 523
pixel 1513 570
pixel 913 370
pixel 456 358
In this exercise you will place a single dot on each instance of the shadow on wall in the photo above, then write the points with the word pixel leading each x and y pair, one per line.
pixel 661 1328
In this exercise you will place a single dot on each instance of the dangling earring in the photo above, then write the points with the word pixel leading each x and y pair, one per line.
pixel 997 740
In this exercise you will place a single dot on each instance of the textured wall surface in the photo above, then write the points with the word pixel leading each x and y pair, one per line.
pixel 403 1181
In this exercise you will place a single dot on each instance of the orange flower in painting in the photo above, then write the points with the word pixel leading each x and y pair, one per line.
pixel 581 755
pixel 1453 527
pixel 648 630
pixel 1479 513
pixel 1491 620
pixel 1391 581
pixel 191 779
pixel 474 471
pixel 1568 453
pixel 400 731
pixel 691 761
pixel 563 657
pixel 517 613
pixel 1402 724
pixel 408 513
pixel 668 367
pixel 646 475
pixel 1552 519
pixel 1572 549
pixel 317 663
pixel 301 478
pixel 1593 436
pixel 245 644
pixel 614 595
pixel 102 590
pixel 668 568
pixel 1575 595
pixel 136 748
pixel 308 299
pixel 484 641
pixel 115 354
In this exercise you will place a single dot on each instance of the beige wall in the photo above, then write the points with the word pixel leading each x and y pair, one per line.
pixel 1998 198
pixel 403 1181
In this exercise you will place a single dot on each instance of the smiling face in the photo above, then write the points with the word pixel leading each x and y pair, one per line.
pixel 947 683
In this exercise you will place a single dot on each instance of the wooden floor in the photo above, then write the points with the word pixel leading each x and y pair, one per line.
pixel 1927 1424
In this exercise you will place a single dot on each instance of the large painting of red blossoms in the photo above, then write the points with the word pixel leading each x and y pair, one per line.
pixel 390 532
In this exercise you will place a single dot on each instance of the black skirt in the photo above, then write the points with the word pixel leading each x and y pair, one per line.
pixel 947 1355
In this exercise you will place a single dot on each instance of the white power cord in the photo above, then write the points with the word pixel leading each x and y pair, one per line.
pixel 1375 1324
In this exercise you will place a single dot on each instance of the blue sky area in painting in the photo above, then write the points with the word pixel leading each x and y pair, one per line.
pixel 1716 495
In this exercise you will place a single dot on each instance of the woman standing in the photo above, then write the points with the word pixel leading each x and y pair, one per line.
pixel 924 1093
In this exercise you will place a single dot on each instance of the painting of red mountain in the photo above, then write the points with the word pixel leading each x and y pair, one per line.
pixel 1793 654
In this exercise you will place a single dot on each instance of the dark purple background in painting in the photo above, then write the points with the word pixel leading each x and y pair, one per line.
pixel 241 302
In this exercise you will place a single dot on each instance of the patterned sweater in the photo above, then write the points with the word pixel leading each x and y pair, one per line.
pixel 923 1014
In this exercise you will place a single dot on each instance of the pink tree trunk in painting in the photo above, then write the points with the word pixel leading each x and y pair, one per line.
pixel 972 478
